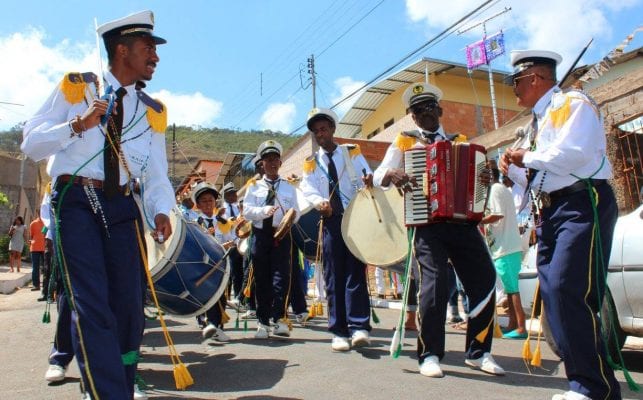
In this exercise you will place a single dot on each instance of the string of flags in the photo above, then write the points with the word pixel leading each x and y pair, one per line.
pixel 598 69
pixel 484 51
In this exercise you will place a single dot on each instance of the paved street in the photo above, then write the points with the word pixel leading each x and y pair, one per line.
pixel 302 367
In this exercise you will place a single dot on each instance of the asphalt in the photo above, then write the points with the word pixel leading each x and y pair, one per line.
pixel 300 367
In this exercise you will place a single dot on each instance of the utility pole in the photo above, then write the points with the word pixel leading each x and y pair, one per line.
pixel 484 37
pixel 173 153
pixel 311 71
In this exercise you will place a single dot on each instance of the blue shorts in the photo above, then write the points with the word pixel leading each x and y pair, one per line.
pixel 508 268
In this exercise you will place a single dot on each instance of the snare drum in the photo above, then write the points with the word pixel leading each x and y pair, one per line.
pixel 177 264
pixel 373 228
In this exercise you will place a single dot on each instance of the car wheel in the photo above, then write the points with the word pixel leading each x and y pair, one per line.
pixel 549 338
pixel 612 332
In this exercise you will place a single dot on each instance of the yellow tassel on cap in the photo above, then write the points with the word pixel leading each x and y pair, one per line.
pixel 157 121
pixel 73 89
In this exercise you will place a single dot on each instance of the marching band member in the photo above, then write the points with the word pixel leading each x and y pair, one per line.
pixel 438 242
pixel 230 214
pixel 265 204
pixel 91 165
pixel 205 197
pixel 331 179
pixel 566 155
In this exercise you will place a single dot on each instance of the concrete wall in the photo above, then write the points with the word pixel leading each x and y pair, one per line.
pixel 19 181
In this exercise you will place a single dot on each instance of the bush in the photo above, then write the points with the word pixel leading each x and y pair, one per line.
pixel 4 248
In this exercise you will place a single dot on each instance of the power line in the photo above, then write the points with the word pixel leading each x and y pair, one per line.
pixel 436 39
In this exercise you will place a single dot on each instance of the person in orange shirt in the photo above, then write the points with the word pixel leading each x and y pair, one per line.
pixel 37 249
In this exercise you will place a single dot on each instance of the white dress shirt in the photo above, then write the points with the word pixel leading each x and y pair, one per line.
pixel 47 134
pixel 254 202
pixel 570 140
pixel 314 185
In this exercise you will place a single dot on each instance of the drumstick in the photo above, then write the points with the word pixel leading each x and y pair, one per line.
pixel 213 269
pixel 377 211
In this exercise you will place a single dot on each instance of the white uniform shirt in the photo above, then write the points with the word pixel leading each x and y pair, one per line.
pixel 394 157
pixel 48 134
pixel 254 202
pixel 570 140
pixel 503 236
pixel 314 185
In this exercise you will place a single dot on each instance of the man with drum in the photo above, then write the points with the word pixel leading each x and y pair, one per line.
pixel 438 242
pixel 97 150
pixel 271 204
pixel 331 179
pixel 229 238
pixel 205 197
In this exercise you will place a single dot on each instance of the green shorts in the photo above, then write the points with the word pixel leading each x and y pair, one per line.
pixel 508 268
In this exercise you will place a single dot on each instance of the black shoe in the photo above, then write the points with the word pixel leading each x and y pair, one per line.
pixel 43 298
pixel 33 289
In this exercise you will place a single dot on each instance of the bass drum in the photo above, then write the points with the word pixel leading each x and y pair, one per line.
pixel 179 265
pixel 373 227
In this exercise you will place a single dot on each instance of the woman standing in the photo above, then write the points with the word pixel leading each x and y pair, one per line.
pixel 17 242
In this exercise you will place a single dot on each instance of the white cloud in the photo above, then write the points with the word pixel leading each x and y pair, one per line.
pixel 278 117
pixel 344 87
pixel 31 70
pixel 561 26
pixel 190 109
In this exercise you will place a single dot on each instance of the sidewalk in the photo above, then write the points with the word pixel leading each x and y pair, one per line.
pixel 10 281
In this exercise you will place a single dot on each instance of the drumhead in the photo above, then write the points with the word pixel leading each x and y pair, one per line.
pixel 373 227
pixel 303 204
pixel 242 247
pixel 159 254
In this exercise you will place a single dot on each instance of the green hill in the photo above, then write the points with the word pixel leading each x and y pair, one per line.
pixel 192 144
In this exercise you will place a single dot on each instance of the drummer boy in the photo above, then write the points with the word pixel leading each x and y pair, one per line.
pixel 267 204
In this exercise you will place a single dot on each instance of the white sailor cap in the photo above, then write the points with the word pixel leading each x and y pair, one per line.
pixel 523 59
pixel 203 187
pixel 318 113
pixel 138 24
pixel 267 147
pixel 228 187
pixel 419 92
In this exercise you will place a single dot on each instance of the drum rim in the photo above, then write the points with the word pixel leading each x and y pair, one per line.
pixel 344 224
pixel 177 240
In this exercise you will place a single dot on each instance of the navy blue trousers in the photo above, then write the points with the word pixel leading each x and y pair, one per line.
pixel 572 285
pixel 271 260
pixel 62 351
pixel 36 260
pixel 345 280
pixel 463 244
pixel 104 268
pixel 297 295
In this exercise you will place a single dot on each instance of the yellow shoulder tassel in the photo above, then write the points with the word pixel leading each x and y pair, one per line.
pixel 404 142
pixel 355 151
pixel 224 228
pixel 158 121
pixel 560 114
pixel 309 165
pixel 461 138
pixel 74 91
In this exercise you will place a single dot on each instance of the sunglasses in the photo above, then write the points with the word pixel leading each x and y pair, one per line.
pixel 423 107
pixel 516 79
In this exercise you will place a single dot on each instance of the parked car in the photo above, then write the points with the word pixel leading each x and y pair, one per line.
pixel 624 280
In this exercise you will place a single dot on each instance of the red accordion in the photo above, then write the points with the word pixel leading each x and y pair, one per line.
pixel 448 185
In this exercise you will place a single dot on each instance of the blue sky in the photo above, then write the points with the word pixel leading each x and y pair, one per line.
pixel 236 64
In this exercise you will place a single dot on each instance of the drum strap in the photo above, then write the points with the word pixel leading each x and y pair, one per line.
pixel 325 171
pixel 348 164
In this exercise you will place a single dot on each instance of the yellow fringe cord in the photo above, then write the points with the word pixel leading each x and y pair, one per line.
pixel 182 377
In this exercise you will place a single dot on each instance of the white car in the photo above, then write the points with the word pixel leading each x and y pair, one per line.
pixel 624 280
